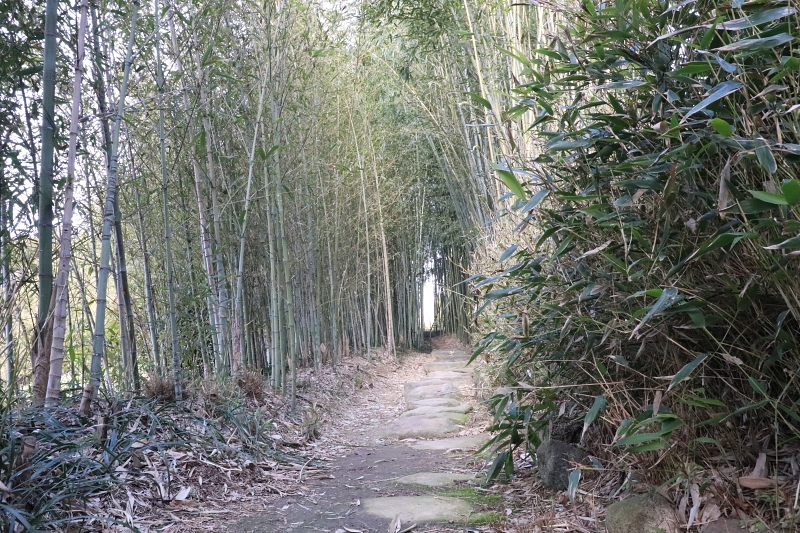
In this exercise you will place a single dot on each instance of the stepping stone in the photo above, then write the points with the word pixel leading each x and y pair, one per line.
pixel 445 390
pixel 469 442
pixel 428 410
pixel 462 419
pixel 453 375
pixel 451 356
pixel 420 509
pixel 430 427
pixel 433 402
pixel 446 365
pixel 410 385
pixel 433 479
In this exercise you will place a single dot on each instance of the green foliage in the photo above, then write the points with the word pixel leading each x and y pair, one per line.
pixel 659 257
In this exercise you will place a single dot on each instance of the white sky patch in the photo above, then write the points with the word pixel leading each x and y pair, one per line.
pixel 427 303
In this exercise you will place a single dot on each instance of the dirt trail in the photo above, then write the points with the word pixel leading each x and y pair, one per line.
pixel 371 446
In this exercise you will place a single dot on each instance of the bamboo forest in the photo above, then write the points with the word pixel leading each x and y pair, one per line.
pixel 476 266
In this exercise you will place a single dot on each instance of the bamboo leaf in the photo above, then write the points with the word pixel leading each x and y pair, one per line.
pixel 721 126
pixel 627 84
pixel 687 369
pixel 756 19
pixel 765 157
pixel 598 405
pixel 508 253
pixel 791 191
pixel 480 100
pixel 535 200
pixel 660 444
pixel 717 93
pixel 567 145
pixel 789 244
pixel 511 182
pixel 755 45
pixel 574 481
pixel 668 297
pixel 770 198
pixel 639 438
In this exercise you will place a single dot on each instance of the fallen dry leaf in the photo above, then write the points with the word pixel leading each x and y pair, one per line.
pixel 752 482
pixel 395 525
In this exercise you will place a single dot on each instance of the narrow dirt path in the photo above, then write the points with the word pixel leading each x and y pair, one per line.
pixel 398 457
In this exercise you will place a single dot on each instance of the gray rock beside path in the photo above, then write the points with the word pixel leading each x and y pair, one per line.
pixel 642 514
pixel 554 458
pixel 430 427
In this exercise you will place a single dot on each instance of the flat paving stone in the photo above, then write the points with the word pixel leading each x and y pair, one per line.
pixel 451 356
pixel 420 509
pixel 434 479
pixel 427 382
pixel 428 410
pixel 468 442
pixel 430 427
pixel 445 365
pixel 433 402
pixel 451 375
pixel 445 390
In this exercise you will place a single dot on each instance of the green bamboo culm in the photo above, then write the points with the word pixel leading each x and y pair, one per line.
pixel 41 354
pixel 173 323
pixel 99 338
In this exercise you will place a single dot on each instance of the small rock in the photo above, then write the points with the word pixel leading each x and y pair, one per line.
pixel 640 514
pixel 723 525
pixel 554 458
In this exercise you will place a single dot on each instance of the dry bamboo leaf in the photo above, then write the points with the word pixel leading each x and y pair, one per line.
pixel 760 469
pixel 696 501
pixel 710 513
pixel 724 199
pixel 750 482
pixel 395 525
pixel 183 494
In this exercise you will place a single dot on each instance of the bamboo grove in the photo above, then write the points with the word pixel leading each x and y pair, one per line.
pixel 235 187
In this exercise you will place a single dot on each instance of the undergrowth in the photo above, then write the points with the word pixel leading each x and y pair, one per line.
pixel 61 470
pixel 650 291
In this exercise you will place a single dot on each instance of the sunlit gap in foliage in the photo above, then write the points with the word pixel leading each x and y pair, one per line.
pixel 428 298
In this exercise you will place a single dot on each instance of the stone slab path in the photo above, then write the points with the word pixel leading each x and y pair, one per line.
pixel 409 461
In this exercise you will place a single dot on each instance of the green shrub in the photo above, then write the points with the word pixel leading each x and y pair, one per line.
pixel 656 261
